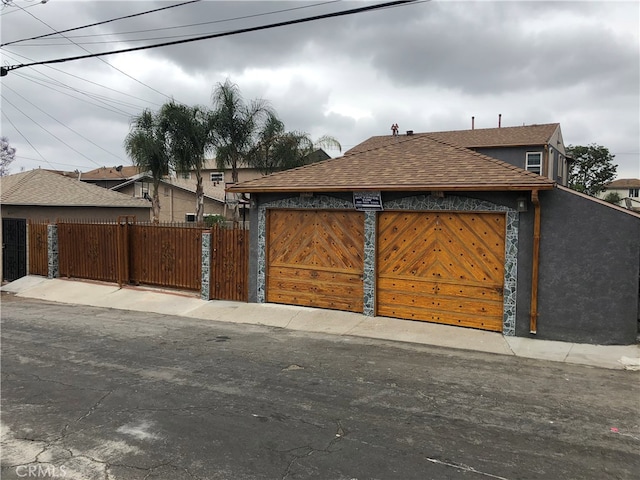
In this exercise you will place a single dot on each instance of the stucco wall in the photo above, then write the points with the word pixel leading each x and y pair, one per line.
pixel 76 213
pixel 589 268
pixel 175 203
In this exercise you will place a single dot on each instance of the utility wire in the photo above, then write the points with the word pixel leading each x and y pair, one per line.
pixel 26 139
pixel 63 124
pixel 84 80
pixel 54 136
pixel 98 23
pixel 106 106
pixel 5 70
pixel 244 17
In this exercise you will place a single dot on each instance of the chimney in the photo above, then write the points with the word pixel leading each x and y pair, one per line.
pixel 499 120
pixel 473 123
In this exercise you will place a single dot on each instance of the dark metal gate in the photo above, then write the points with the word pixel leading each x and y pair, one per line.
pixel 14 248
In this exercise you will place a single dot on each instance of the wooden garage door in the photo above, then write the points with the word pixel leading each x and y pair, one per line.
pixel 442 267
pixel 315 258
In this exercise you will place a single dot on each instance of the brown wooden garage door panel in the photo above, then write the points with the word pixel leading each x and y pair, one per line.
pixel 316 258
pixel 446 267
pixel 444 317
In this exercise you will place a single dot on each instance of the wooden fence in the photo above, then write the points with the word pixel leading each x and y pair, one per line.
pixel 229 264
pixel 38 248
pixel 164 255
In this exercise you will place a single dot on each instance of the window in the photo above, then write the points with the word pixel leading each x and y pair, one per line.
pixel 634 192
pixel 534 162
pixel 186 175
pixel 189 217
pixel 217 177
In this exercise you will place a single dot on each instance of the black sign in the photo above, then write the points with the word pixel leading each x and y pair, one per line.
pixel 367 201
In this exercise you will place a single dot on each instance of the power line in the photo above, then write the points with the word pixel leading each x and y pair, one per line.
pixel 2 73
pixel 244 17
pixel 25 138
pixel 54 136
pixel 5 70
pixel 84 80
pixel 98 23
pixel 63 124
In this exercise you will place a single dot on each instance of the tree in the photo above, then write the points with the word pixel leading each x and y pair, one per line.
pixel 189 133
pixel 7 155
pixel 591 169
pixel 236 125
pixel 146 146
pixel 278 150
pixel 613 197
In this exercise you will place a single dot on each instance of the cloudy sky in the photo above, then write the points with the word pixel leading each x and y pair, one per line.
pixel 428 66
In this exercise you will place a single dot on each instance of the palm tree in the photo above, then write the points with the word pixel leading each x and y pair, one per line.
pixel 145 144
pixel 189 137
pixel 236 125
pixel 278 150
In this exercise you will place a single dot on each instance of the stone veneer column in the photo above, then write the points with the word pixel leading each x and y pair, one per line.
pixel 206 266
pixel 369 274
pixel 52 251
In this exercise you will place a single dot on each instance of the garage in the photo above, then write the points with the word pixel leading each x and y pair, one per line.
pixel 315 258
pixel 443 267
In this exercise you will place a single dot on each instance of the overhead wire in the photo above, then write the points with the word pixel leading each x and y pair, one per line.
pixel 62 123
pixel 244 17
pixel 43 128
pixel 5 70
pixel 91 55
pixel 25 138
pixel 99 23
pixel 84 80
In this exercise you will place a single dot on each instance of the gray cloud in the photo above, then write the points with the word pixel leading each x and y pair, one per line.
pixel 427 66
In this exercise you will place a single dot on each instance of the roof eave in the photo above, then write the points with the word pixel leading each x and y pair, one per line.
pixel 398 188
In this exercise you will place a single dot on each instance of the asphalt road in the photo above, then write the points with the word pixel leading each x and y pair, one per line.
pixel 93 393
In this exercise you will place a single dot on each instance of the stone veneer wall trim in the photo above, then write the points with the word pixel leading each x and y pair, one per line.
pixel 52 251
pixel 206 266
pixel 417 203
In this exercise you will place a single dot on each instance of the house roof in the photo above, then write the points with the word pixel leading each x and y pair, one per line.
pixel 44 188
pixel 529 135
pixel 624 183
pixel 417 163
pixel 111 173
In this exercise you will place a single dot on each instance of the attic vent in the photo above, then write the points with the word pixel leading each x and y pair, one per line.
pixel 409 132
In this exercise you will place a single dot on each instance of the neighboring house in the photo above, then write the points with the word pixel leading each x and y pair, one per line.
pixel 41 195
pixel 109 177
pixel 417 227
pixel 628 189
pixel 177 196
pixel 537 148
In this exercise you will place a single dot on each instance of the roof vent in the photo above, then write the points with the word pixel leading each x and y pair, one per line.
pixel 409 132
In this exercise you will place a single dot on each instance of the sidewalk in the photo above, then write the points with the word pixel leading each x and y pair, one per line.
pixel 321 321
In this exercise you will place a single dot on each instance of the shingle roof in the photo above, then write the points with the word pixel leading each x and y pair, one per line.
pixel 417 163
pixel 40 187
pixel 110 173
pixel 624 183
pixel 528 135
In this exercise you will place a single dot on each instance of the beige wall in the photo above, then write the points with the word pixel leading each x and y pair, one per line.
pixel 175 203
pixel 72 213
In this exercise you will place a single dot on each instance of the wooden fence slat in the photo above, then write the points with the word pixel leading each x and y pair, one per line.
pixel 38 248
pixel 229 264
